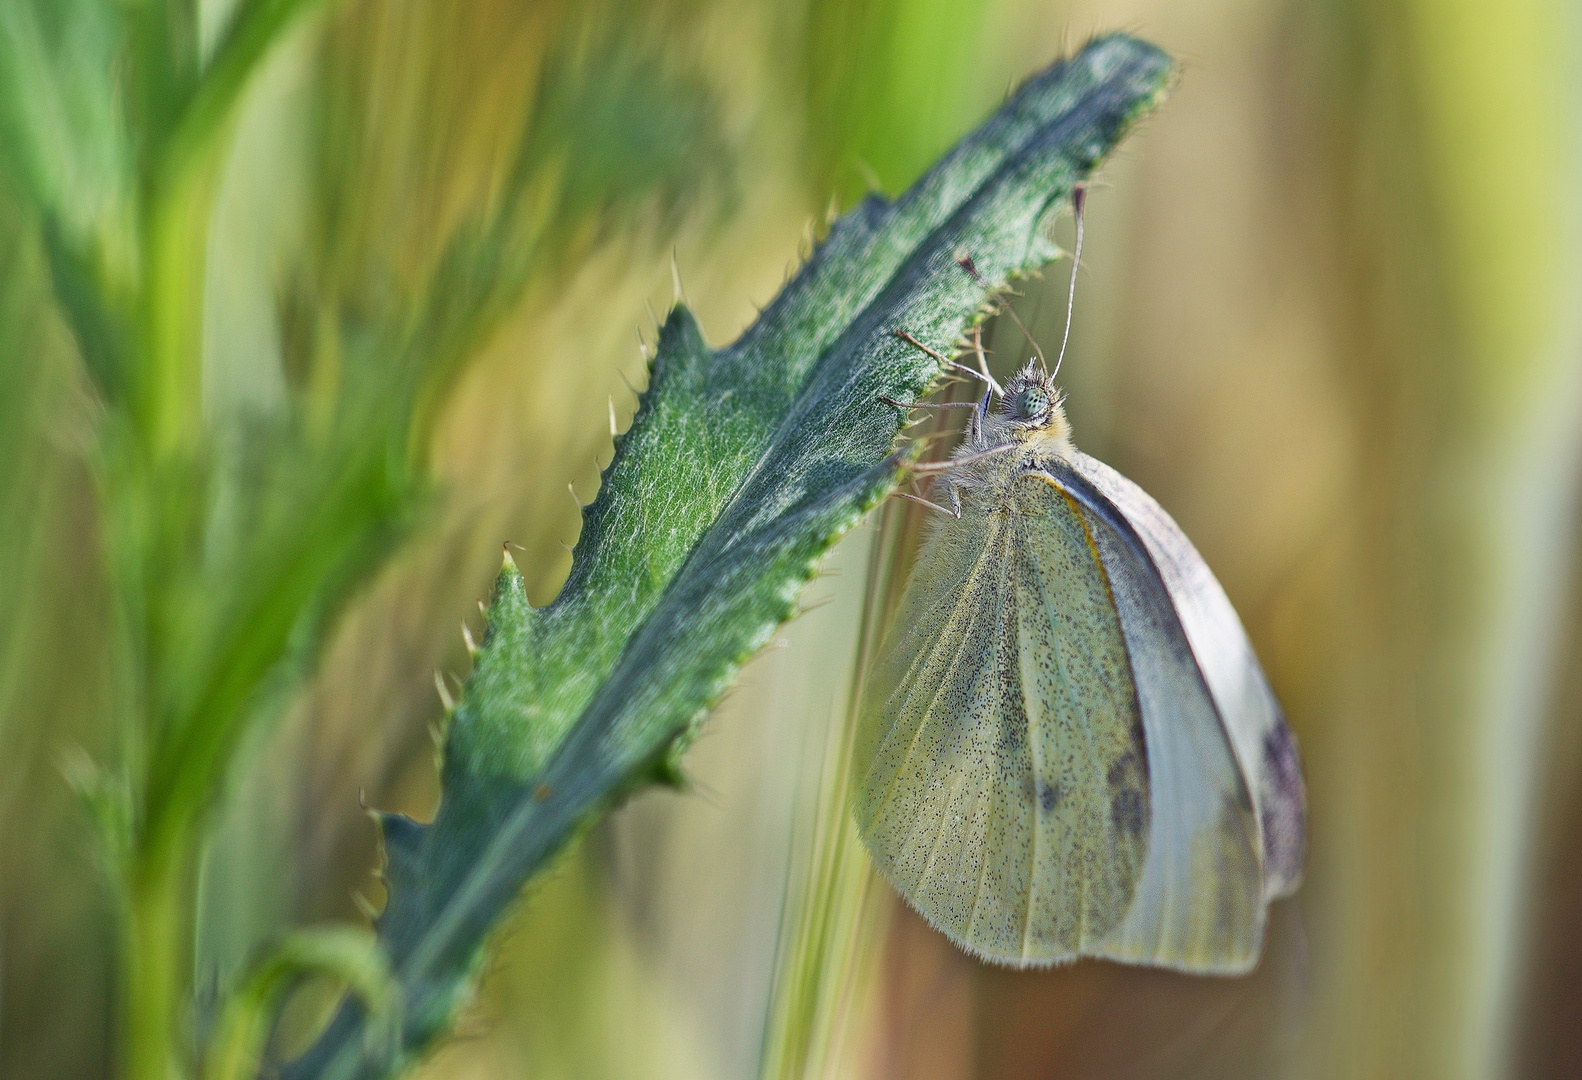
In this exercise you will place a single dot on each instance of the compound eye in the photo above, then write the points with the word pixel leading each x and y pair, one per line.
pixel 1030 403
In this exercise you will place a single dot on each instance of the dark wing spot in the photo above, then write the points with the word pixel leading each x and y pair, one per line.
pixel 1126 811
pixel 1048 796
pixel 1282 803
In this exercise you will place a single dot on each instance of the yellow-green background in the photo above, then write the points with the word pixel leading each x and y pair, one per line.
pixel 1331 316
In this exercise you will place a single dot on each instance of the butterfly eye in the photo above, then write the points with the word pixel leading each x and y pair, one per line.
pixel 1031 402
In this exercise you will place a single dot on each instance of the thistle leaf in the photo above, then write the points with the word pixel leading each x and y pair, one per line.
pixel 742 467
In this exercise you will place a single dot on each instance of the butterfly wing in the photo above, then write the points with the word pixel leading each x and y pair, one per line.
pixel 1264 747
pixel 1201 902
pixel 1001 773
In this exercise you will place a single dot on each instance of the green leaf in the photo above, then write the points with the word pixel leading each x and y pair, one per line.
pixel 69 155
pixel 350 955
pixel 742 466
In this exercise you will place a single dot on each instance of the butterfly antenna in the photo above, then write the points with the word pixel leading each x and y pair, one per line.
pixel 966 263
pixel 1017 319
pixel 1079 199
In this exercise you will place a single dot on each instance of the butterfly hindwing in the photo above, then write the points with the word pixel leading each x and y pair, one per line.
pixel 928 665
pixel 1090 779
pixel 1002 781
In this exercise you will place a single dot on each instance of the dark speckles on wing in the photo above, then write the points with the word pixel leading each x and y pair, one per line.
pixel 1128 812
pixel 1127 780
pixel 1010 719
pixel 1048 796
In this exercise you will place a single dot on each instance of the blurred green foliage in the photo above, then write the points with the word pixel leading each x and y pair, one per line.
pixel 234 521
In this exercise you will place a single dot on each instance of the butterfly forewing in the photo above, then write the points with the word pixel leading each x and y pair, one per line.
pixel 1199 903
pixel 1251 716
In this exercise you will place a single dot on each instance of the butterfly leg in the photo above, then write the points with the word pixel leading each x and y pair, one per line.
pixel 954 510
pixel 948 362
pixel 925 405
pixel 931 467
pixel 952 494
pixel 975 423
pixel 983 359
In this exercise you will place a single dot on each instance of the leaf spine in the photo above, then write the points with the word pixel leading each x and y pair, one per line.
pixel 364 905
pixel 675 278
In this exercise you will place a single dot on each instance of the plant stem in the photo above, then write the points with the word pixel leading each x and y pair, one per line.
pixel 171 402
pixel 155 951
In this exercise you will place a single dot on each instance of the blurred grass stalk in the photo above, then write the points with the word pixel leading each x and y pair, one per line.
pixel 834 906
pixel 827 999
pixel 253 466
pixel 832 911
pixel 1464 207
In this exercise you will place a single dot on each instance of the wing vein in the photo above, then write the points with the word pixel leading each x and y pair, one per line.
pixel 983 869
pixel 963 640
pixel 939 834
pixel 1033 753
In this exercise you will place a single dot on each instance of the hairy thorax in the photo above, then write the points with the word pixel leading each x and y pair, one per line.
pixel 1034 445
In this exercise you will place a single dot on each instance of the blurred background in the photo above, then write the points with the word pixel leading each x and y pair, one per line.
pixel 1329 316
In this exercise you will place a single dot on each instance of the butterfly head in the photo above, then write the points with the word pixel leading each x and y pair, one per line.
pixel 1031 399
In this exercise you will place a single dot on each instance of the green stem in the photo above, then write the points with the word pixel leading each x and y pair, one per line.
pixel 171 400
pixel 155 950
pixel 178 199
pixel 256 30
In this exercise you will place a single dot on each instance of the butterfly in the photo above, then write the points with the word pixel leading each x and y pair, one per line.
pixel 1066 746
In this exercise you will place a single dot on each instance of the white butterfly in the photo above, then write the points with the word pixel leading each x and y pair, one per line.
pixel 1066 746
